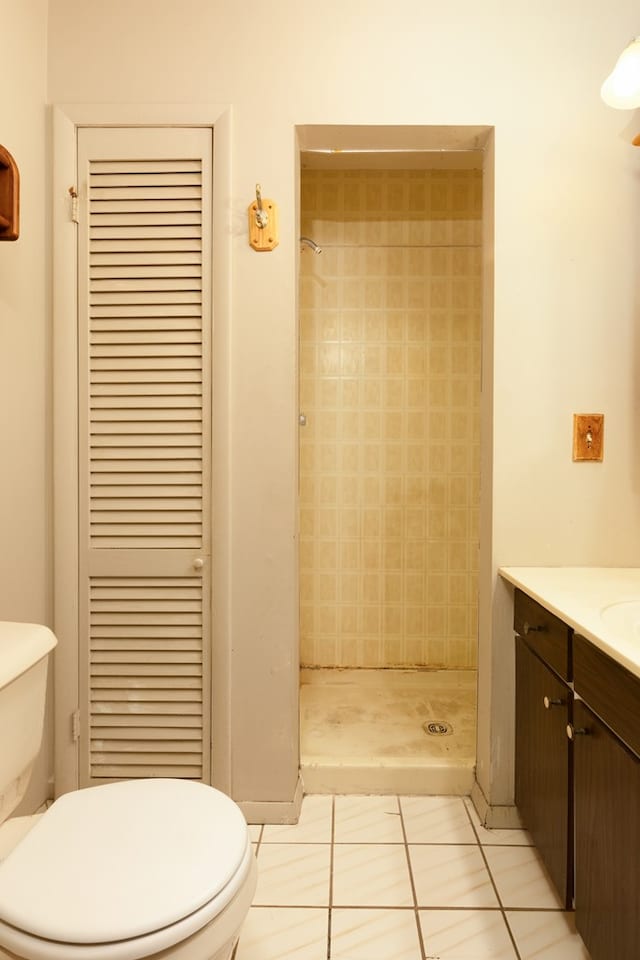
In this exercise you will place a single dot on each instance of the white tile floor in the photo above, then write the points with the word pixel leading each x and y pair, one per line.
pixel 401 878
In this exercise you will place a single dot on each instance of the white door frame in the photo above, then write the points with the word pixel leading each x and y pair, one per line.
pixel 66 120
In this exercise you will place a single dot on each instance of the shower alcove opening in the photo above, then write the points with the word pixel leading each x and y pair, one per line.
pixel 390 346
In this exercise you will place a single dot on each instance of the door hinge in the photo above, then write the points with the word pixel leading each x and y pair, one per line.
pixel 73 193
pixel 75 725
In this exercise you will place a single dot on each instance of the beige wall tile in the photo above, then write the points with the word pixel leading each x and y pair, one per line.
pixel 389 381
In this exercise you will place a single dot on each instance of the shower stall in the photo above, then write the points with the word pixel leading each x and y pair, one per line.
pixel 390 313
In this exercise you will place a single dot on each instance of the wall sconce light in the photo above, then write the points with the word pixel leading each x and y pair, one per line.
pixel 621 89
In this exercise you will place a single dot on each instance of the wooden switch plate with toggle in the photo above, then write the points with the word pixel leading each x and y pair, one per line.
pixel 588 436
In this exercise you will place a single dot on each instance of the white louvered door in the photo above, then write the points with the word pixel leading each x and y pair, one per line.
pixel 144 308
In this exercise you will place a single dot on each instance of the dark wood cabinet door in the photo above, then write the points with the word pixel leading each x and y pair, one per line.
pixel 543 765
pixel 607 822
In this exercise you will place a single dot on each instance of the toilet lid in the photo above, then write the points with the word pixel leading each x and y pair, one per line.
pixel 122 860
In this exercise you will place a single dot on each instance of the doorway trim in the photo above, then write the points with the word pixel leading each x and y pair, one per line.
pixel 66 119
pixel 495 716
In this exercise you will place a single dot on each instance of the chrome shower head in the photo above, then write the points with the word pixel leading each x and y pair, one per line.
pixel 311 244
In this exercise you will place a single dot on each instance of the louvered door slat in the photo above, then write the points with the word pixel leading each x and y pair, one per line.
pixel 135 472
pixel 171 231
pixel 124 433
pixel 128 399
pixel 131 351
pixel 148 218
pixel 162 260
pixel 136 642
pixel 155 603
pixel 152 283
pixel 147 733
pixel 146 247
pixel 158 204
pixel 123 419
pixel 174 384
pixel 152 687
pixel 145 321
pixel 139 747
pixel 156 769
pixel 137 484
pixel 135 311
pixel 141 658
pixel 134 713
pixel 113 173
pixel 115 618
pixel 130 470
pixel 146 383
pixel 129 272
pixel 126 412
pixel 146 503
pixel 147 188
pixel 130 299
pixel 110 700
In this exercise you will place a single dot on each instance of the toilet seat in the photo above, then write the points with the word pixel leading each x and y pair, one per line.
pixel 123 870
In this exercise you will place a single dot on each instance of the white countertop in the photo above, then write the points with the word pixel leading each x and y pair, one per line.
pixel 578 595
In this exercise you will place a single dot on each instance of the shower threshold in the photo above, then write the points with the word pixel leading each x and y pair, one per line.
pixel 362 731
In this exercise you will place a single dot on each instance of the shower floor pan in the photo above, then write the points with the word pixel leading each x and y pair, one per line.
pixel 366 731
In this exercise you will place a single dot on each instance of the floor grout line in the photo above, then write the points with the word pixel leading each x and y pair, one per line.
pixel 392 843
pixel 404 908
pixel 331 858
pixel 416 912
pixel 493 883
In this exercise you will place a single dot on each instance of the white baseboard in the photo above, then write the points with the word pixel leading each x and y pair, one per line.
pixel 273 811
pixel 496 816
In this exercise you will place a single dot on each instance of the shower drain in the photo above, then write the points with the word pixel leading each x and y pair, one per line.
pixel 437 728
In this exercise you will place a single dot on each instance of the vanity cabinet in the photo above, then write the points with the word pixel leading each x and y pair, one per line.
pixel 578 775
pixel 607 804
pixel 543 752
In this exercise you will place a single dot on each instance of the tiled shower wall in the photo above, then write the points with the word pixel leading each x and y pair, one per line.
pixel 390 335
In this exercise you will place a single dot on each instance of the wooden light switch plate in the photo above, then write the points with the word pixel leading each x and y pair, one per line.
pixel 588 436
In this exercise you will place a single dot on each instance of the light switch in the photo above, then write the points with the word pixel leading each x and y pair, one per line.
pixel 588 436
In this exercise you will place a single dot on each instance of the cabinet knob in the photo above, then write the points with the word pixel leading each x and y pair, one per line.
pixel 548 703
pixel 529 628
pixel 198 563
pixel 573 732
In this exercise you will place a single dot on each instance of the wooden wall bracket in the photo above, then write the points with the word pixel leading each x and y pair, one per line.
pixel 263 223
pixel 9 196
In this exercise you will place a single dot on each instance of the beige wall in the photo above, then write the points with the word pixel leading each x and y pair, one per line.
pixel 566 254
pixel 390 336
pixel 25 485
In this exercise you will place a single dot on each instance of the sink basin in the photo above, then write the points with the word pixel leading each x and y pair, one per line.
pixel 623 618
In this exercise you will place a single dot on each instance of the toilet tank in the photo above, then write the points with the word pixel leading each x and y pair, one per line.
pixel 24 656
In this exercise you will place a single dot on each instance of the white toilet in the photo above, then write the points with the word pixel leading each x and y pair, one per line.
pixel 135 869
